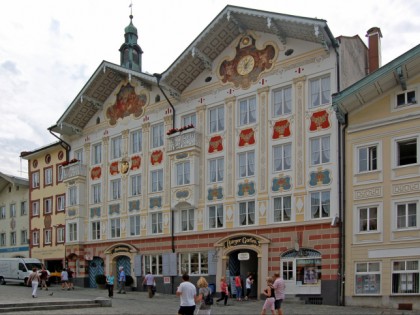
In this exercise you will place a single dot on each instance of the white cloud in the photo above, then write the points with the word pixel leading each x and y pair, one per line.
pixel 49 48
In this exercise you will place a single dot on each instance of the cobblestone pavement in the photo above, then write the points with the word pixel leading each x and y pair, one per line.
pixel 136 302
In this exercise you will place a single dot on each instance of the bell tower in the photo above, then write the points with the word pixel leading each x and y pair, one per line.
pixel 130 51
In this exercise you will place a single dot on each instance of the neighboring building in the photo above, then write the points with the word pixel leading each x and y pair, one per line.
pixel 225 163
pixel 14 218
pixel 47 199
pixel 380 117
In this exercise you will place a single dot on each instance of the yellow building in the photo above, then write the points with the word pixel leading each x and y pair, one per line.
pixel 14 218
pixel 380 119
pixel 47 200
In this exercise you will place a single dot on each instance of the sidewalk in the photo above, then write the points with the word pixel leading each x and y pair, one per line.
pixel 135 302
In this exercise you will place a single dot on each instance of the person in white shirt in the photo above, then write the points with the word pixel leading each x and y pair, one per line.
pixel 149 280
pixel 187 294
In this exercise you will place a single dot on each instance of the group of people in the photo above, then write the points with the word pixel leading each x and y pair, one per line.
pixel 67 279
pixel 37 277
pixel 187 293
pixel 275 293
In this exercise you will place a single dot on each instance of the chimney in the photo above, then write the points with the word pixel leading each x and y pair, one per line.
pixel 375 61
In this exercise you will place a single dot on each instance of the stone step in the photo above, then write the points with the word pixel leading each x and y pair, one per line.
pixel 50 305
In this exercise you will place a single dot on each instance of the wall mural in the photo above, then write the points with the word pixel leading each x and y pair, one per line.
pixel 127 103
pixel 96 173
pixel 215 193
pixel 246 137
pixel 320 177
pixel 246 189
pixel 281 129
pixel 135 162
pixel 281 183
pixel 156 157
pixel 215 144
pixel 319 120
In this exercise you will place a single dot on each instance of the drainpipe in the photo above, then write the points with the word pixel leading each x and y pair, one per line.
pixel 66 147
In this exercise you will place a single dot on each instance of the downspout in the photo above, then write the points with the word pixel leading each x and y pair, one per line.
pixel 67 146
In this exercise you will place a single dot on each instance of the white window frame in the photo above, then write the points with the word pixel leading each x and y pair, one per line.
pixel 115 227
pixel 48 205
pixel 115 189
pixel 35 208
pixel 365 158
pixel 153 264
pixel 2 212
pixel 282 157
pixel 24 237
pixel 13 210
pixel 97 153
pixel 157 135
pixel 370 277
pixel 246 164
pixel 47 236
pixel 136 141
pixel 282 101
pixel 412 224
pixel 186 220
pixel 321 89
pixel 135 226
pixel 61 234
pixel 95 230
pixel 72 195
pixel 216 169
pixel 216 119
pixel 156 223
pixel 78 155
pixel 370 212
pixel 247 215
pixel 282 209
pixel 35 238
pixel 13 240
pixel 61 203
pixel 60 173
pixel 35 179
pixel 116 147
pixel 396 155
pixel 322 145
pixel 135 184
pixel 157 180
pixel 189 119
pixel 216 216
pixel 72 228
pixel 183 173
pixel 320 204
pixel 406 271
pixel 96 193
pixel 406 98
pixel 194 263
pixel 247 111
pixel 23 208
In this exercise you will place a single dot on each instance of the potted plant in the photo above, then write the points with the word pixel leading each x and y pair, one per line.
pixel 100 281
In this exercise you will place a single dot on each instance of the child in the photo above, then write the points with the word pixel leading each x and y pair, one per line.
pixel 269 293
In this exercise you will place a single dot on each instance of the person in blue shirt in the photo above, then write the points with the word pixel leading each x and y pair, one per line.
pixel 110 284
pixel 121 280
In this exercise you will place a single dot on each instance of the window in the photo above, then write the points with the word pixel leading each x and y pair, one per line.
pixel 406 215
pixel 194 263
pixel 135 185
pixel 216 170
pixel 96 230
pixel 216 119
pixel 320 150
pixel 2 239
pixel 13 210
pixel 35 180
pixel 60 234
pixel 246 164
pixel 320 92
pixel 152 263
pixel 115 227
pixel 3 212
pixel 189 120
pixel 405 277
pixel 78 155
pixel 72 195
pixel 97 153
pixel 406 98
pixel 96 193
pixel 320 204
pixel 134 225
pixel 23 208
pixel 247 213
pixel 368 278
pixel 216 216
pixel 116 145
pixel 115 189
pixel 136 141
pixel 48 205
pixel 48 176
pixel 24 237
pixel 47 236
pixel 157 227
pixel 282 209
pixel 61 203
pixel 407 152
pixel 35 208
pixel 13 239
pixel 282 101
pixel 287 268
pixel 60 173
pixel 247 111
pixel 72 228
pixel 282 157
pixel 157 135
pixel 157 180
pixel 368 158
pixel 183 173
pixel 35 238
pixel 187 220
pixel 368 219
pixel 308 271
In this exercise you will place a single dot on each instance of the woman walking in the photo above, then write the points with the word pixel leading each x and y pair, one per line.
pixel 33 279
pixel 270 300
pixel 203 292
pixel 110 284
pixel 224 290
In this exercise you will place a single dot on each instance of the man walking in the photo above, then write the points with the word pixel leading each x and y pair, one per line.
pixel 44 277
pixel 279 292
pixel 121 280
pixel 149 280
pixel 187 294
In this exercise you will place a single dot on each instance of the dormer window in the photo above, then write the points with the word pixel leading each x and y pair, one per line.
pixel 406 98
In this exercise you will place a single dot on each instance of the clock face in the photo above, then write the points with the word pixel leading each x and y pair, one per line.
pixel 245 65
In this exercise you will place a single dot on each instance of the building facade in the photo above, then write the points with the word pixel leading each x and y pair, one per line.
pixel 14 218
pixel 380 117
pixel 224 164
pixel 47 202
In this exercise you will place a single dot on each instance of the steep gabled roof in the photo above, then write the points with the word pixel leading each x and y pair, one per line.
pixel 8 179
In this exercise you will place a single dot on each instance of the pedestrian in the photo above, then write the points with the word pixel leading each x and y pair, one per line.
pixel 224 290
pixel 43 277
pixel 203 292
pixel 110 284
pixel 64 279
pixel 149 280
pixel 71 284
pixel 238 286
pixel 248 285
pixel 279 291
pixel 187 294
pixel 33 280
pixel 121 280
pixel 270 297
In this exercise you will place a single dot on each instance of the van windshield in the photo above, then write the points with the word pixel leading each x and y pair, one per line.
pixel 31 266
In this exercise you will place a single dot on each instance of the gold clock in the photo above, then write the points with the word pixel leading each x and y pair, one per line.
pixel 245 65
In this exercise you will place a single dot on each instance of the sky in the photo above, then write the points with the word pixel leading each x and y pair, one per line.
pixel 50 48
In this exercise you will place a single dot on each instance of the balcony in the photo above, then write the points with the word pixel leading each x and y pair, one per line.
pixel 74 171
pixel 184 141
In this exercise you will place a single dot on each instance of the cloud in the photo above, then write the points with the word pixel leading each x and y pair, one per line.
pixel 10 67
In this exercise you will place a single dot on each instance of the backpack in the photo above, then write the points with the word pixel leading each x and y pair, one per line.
pixel 209 299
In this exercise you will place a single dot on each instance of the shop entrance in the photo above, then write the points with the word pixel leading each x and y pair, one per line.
pixel 243 262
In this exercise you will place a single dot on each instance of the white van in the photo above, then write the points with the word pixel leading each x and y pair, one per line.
pixel 17 270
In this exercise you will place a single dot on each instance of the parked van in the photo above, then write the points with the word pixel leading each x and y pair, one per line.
pixel 17 270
